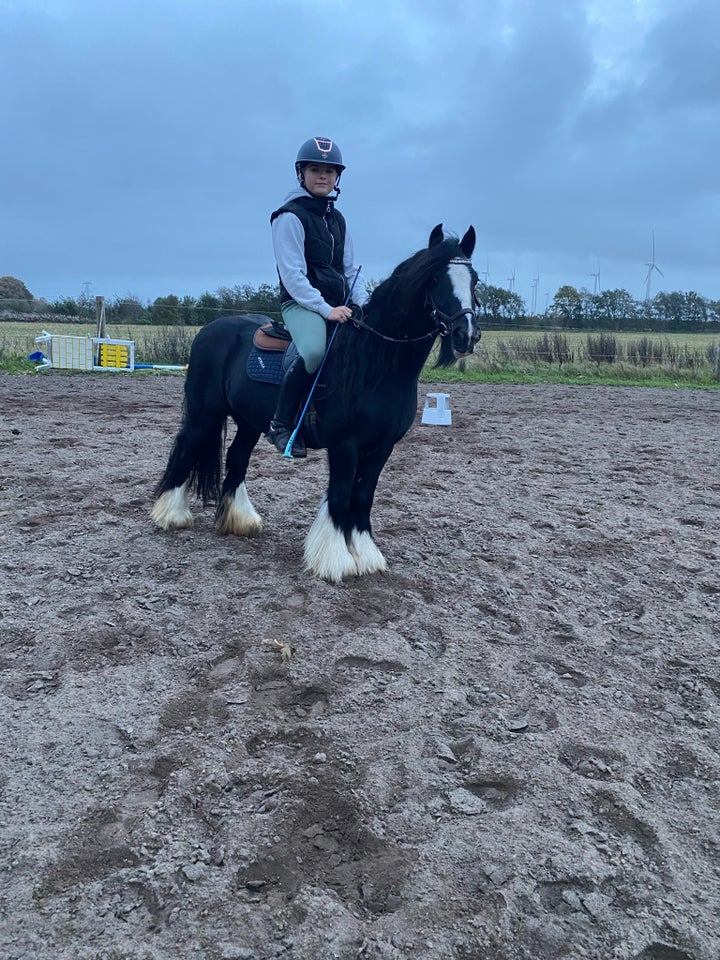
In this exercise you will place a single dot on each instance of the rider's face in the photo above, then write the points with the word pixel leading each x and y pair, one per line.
pixel 320 179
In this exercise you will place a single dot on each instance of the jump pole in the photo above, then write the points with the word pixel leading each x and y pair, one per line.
pixel 289 445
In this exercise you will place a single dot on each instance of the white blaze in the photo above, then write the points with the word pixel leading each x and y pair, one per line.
pixel 461 278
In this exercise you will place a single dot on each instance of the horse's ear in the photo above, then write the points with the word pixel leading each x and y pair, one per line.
pixel 467 244
pixel 436 236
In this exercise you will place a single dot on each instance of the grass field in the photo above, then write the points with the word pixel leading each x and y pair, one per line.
pixel 502 355
pixel 18 339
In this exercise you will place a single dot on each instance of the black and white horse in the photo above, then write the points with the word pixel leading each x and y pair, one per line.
pixel 364 402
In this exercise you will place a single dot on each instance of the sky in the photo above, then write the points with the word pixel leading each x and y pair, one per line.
pixel 146 142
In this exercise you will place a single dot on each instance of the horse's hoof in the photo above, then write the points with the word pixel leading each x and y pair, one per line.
pixel 326 553
pixel 237 516
pixel 334 571
pixel 171 512
pixel 366 553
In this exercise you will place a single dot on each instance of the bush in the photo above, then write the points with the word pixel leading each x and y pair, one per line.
pixel 602 348
pixel 169 345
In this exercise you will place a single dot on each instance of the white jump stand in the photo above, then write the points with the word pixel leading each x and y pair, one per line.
pixel 439 412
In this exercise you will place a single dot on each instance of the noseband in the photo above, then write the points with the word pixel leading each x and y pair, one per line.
pixel 443 321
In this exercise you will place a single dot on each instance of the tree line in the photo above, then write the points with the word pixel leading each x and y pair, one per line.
pixel 616 310
pixel 164 311
pixel 574 309
pixel 570 309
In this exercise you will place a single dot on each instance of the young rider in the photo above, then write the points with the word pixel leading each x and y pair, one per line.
pixel 315 263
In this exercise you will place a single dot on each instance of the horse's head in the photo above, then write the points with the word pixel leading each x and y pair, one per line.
pixel 452 299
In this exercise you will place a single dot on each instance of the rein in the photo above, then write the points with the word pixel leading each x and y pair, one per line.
pixel 443 321
pixel 360 324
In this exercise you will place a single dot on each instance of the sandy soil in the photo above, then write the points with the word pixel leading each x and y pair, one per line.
pixel 505 747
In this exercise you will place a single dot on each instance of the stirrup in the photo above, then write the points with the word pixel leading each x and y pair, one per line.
pixel 279 434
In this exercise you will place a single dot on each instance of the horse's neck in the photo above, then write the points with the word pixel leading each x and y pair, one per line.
pixel 410 336
pixel 386 352
pixel 413 321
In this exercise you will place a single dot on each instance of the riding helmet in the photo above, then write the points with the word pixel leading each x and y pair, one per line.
pixel 319 150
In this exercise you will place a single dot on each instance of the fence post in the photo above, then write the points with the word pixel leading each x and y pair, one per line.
pixel 100 317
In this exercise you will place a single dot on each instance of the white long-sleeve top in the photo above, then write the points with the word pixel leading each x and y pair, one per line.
pixel 288 237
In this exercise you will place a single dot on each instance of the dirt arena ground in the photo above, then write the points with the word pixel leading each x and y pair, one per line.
pixel 504 748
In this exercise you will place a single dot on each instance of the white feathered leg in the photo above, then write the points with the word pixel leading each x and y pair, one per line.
pixel 367 554
pixel 236 515
pixel 326 553
pixel 171 510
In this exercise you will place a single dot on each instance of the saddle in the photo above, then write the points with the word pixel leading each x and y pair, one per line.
pixel 271 354
pixel 272 336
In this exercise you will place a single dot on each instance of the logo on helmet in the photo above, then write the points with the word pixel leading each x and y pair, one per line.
pixel 324 146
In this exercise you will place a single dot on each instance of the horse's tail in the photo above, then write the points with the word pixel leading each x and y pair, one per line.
pixel 196 457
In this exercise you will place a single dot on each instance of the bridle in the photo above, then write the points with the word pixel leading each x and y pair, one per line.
pixel 443 321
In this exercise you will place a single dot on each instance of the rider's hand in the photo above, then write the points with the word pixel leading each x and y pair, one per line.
pixel 340 314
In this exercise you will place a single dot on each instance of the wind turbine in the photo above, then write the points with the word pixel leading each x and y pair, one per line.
pixel 596 285
pixel 486 272
pixel 651 266
pixel 534 286
pixel 511 281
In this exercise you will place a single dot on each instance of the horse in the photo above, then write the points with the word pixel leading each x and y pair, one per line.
pixel 364 400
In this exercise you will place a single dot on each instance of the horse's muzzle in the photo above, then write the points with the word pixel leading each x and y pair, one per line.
pixel 464 339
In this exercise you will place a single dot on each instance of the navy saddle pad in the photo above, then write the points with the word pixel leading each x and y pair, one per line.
pixel 269 366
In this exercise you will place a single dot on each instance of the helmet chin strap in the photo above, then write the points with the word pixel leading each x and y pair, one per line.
pixel 301 180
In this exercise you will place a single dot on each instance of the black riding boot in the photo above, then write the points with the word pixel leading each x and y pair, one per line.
pixel 293 393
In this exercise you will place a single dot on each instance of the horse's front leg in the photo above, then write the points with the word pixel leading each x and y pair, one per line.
pixel 361 544
pixel 326 550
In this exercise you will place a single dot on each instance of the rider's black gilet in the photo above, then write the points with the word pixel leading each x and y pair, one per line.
pixel 324 246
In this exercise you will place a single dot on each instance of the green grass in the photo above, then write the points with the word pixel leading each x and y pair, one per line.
pixel 601 378
pixel 16 365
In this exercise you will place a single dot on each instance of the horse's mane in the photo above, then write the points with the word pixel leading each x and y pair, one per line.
pixel 414 274
pixel 396 309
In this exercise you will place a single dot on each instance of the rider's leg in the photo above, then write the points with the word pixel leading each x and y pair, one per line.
pixel 293 393
pixel 308 331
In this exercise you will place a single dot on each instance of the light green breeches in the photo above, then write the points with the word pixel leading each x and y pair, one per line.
pixel 309 332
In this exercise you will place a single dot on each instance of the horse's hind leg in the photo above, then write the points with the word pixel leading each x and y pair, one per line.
pixel 235 514
pixel 195 456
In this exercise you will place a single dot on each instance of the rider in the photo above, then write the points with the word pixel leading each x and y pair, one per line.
pixel 315 263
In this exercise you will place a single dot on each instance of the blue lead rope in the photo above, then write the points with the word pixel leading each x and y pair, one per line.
pixel 288 447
